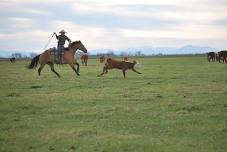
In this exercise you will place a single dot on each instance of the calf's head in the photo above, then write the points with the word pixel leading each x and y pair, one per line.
pixel 137 65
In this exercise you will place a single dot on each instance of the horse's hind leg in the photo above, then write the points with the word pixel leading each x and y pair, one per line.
pixel 40 68
pixel 74 69
pixel 52 68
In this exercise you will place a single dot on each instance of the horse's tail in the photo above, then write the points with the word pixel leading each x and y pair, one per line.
pixel 34 62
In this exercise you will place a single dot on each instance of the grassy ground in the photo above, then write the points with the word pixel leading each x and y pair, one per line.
pixel 177 104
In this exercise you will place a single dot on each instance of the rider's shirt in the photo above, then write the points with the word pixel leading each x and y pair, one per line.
pixel 62 39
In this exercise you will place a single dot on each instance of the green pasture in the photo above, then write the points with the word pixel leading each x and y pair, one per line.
pixel 177 104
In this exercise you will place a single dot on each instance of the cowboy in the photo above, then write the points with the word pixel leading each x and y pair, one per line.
pixel 61 42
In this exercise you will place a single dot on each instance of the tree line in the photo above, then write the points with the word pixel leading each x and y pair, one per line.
pixel 22 56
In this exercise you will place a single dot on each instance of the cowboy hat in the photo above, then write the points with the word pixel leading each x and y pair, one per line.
pixel 62 31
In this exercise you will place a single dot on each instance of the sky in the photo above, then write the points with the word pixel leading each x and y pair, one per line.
pixel 27 25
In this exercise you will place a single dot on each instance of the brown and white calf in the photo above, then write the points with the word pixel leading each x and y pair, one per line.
pixel 121 65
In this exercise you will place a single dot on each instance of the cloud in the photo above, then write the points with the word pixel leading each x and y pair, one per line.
pixel 181 11
pixel 22 8
pixel 179 33
pixel 113 23
pixel 20 23
pixel 24 40
pixel 134 2
pixel 92 37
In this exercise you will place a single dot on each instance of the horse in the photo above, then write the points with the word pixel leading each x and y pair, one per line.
pixel 222 55
pixel 84 58
pixel 101 59
pixel 13 59
pixel 67 57
pixel 211 56
pixel 122 65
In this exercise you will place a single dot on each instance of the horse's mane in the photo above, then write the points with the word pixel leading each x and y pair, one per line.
pixel 72 44
pixel 75 42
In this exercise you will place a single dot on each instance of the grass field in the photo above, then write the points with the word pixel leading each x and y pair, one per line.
pixel 177 104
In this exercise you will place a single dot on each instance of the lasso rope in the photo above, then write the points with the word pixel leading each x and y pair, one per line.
pixel 48 42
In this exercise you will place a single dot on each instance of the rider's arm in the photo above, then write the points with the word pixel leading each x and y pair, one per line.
pixel 56 35
pixel 68 39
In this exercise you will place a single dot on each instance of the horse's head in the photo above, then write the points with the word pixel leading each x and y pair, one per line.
pixel 78 45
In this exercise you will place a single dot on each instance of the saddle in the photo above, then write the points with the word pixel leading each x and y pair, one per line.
pixel 53 50
pixel 53 55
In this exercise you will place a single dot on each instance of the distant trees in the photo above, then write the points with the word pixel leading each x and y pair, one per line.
pixel 110 53
pixel 17 55
pixel 32 55
pixel 20 55
pixel 138 53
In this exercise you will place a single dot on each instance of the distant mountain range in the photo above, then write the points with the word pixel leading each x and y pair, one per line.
pixel 189 49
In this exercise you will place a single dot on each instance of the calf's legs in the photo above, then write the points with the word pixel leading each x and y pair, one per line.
pixel 124 72
pixel 136 71
pixel 104 71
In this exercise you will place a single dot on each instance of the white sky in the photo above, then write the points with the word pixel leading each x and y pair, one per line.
pixel 113 24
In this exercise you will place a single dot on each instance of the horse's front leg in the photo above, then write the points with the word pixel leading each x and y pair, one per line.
pixel 74 69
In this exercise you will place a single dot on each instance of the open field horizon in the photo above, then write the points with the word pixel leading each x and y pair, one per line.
pixel 177 104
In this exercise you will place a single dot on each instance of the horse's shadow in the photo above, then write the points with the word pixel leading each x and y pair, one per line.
pixel 36 87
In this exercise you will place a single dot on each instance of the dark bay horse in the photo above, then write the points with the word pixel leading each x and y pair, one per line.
pixel 211 56
pixel 222 55
pixel 13 59
pixel 67 58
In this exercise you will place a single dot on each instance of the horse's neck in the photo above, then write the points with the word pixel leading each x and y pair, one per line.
pixel 73 49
